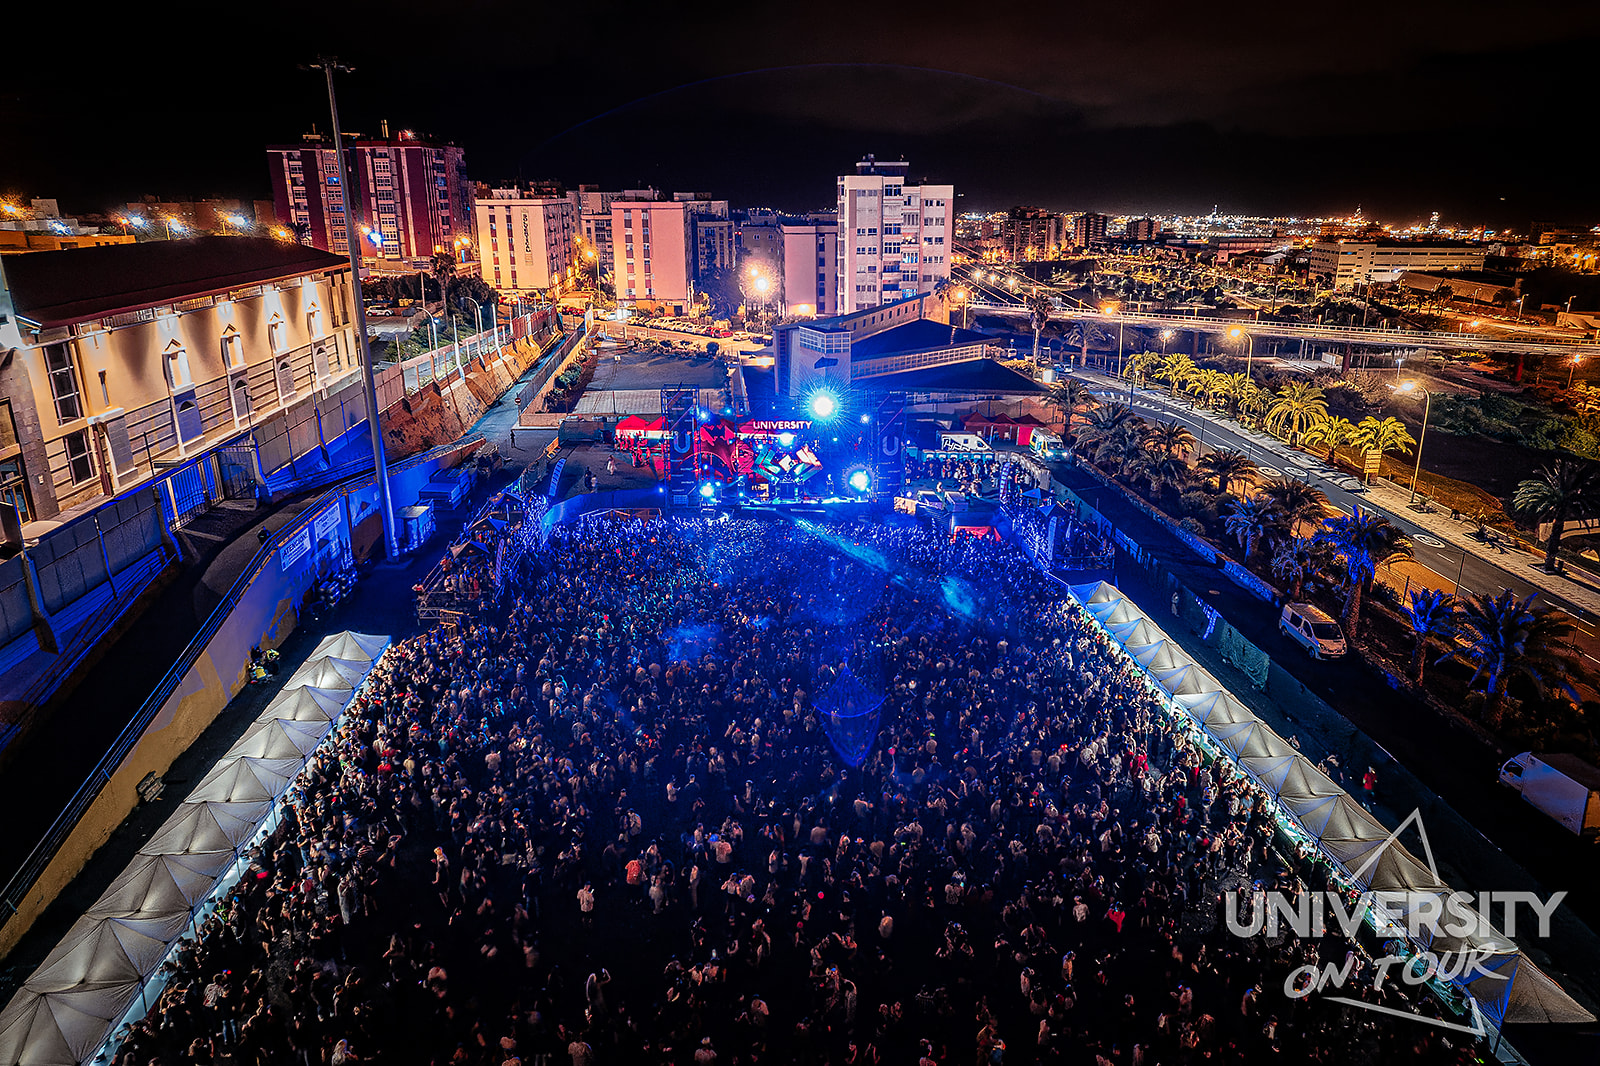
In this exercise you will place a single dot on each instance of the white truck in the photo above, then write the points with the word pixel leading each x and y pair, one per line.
pixel 963 442
pixel 1562 786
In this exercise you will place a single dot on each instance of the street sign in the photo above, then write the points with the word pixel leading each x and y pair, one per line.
pixel 1373 460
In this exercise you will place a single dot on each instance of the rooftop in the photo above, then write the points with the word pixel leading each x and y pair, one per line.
pixel 918 335
pixel 970 375
pixel 51 289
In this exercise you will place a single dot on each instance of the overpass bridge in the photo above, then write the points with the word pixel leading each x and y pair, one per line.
pixel 1363 336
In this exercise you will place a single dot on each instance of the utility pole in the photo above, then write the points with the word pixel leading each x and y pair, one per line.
pixel 380 466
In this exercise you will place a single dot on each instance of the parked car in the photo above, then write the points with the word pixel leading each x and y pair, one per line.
pixel 1313 629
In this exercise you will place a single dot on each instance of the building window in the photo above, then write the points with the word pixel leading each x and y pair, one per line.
pixel 241 399
pixel 314 321
pixel 285 379
pixel 275 335
pixel 178 376
pixel 63 382
pixel 80 467
pixel 232 348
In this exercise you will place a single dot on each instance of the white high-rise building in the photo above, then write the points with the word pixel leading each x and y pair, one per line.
pixel 895 239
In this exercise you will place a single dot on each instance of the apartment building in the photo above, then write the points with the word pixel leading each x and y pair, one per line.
pixel 141 361
pixel 894 240
pixel 411 195
pixel 807 282
pixel 528 243
pixel 1088 228
pixel 652 252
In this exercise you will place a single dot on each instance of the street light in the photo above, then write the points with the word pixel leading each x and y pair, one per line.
pixel 1576 360
pixel 1166 335
pixel 1427 401
pixel 1250 350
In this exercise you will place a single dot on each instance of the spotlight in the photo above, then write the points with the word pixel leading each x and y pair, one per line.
pixel 861 481
pixel 824 405
pixel 786 439
pixel 866 419
pixel 708 490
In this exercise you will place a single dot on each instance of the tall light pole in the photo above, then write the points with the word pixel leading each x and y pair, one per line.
pixel 380 466
pixel 1575 361
pixel 1427 401
pixel 1250 346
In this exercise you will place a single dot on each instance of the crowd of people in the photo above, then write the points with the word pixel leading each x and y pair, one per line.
pixel 603 822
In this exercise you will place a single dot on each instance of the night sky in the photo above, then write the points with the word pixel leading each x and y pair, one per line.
pixel 1482 111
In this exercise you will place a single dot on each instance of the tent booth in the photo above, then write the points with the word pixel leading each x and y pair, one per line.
pixel 1321 815
pixel 106 969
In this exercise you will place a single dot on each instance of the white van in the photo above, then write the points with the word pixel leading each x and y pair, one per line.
pixel 1313 629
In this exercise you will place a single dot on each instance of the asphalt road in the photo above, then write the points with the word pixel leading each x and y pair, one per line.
pixel 1457 567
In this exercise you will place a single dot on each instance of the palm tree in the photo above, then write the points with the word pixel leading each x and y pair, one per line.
pixel 1176 369
pixel 1295 500
pixel 1506 639
pixel 1249 519
pixel 1109 430
pixel 1298 406
pixel 1172 438
pixel 1161 467
pixel 1296 559
pixel 1039 308
pixel 944 291
pixel 1330 431
pixel 1144 366
pixel 1360 543
pixel 1206 384
pixel 1228 467
pixel 1388 435
pixel 444 274
pixel 1433 615
pixel 1565 489
pixel 1068 396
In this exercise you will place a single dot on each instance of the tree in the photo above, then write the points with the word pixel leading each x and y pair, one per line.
pixel 1069 395
pixel 1388 435
pixel 1565 489
pixel 1298 406
pixel 1360 543
pixel 1443 294
pixel 1506 639
pixel 1433 615
pixel 1206 385
pixel 444 273
pixel 1172 438
pixel 1108 427
pixel 1161 467
pixel 1039 308
pixel 1248 520
pixel 944 291
pixel 1227 467
pixel 1295 501
pixel 1297 558
pixel 1330 431
pixel 1176 369
pixel 1144 366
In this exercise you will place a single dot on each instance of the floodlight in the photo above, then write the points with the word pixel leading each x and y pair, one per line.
pixel 824 405
pixel 861 481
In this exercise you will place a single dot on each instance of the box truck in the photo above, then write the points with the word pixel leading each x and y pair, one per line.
pixel 1562 786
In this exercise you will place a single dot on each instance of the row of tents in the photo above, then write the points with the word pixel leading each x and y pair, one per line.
pixel 66 1012
pixel 1508 987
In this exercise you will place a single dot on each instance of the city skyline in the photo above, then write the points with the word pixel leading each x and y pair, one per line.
pixel 1421 111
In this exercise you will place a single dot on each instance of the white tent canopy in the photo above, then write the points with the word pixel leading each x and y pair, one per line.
pixel 1351 837
pixel 65 1011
